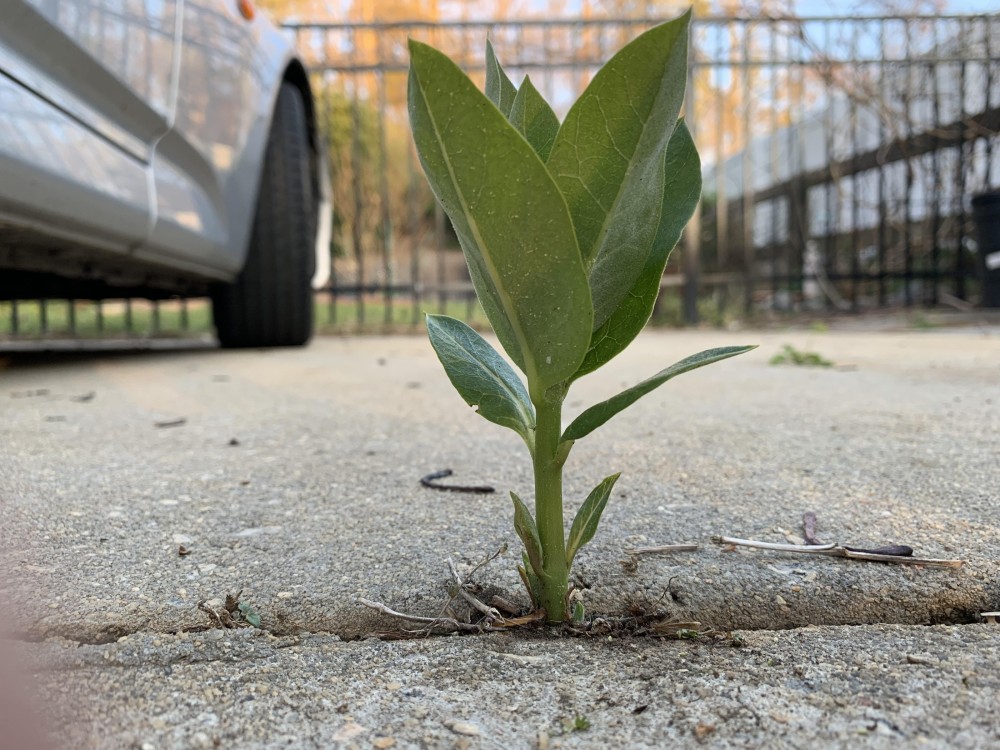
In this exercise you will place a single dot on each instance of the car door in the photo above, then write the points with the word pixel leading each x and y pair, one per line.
pixel 207 167
pixel 87 88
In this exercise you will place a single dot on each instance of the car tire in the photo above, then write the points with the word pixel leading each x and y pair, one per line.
pixel 271 304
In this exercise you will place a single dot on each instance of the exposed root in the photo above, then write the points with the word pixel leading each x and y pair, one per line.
pixel 490 617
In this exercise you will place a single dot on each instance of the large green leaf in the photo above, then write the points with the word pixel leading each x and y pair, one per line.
pixel 511 220
pixel 499 88
pixel 481 376
pixel 597 415
pixel 608 159
pixel 585 524
pixel 534 118
pixel 680 196
pixel 525 527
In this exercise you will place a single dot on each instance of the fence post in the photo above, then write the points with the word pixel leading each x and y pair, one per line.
pixel 691 253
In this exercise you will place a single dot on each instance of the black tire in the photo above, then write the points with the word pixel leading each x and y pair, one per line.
pixel 271 302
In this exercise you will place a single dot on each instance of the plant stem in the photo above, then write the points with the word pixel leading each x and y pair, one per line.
pixel 548 465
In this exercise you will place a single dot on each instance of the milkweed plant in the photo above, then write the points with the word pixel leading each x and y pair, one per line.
pixel 566 229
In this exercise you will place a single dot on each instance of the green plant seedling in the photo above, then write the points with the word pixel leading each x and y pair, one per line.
pixel 789 355
pixel 566 229
pixel 580 723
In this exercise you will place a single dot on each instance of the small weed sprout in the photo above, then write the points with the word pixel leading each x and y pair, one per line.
pixel 789 355
pixel 580 723
pixel 566 229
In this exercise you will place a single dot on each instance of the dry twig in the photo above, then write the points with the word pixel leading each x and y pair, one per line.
pixel 449 622
pixel 851 553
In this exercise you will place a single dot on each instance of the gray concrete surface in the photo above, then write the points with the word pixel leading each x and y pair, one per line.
pixel 319 504
pixel 867 686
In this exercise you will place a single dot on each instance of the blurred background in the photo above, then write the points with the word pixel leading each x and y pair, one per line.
pixel 842 145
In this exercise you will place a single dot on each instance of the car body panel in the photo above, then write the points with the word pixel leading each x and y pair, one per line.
pixel 109 63
pixel 140 126
pixel 207 168
pixel 55 172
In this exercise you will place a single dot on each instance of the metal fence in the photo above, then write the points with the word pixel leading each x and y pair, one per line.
pixel 839 158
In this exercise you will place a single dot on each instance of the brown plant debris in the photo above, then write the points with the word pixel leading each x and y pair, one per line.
pixel 232 614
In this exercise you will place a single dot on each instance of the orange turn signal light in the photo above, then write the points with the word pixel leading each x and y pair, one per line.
pixel 246 9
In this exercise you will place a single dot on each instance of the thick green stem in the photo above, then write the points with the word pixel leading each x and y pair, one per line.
pixel 548 460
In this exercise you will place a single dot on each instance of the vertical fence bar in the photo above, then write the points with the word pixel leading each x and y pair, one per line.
pixel 692 232
pixel 414 220
pixel 439 250
pixel 185 318
pixel 908 161
pixel 15 318
pixel 328 112
pixel 855 192
pixel 960 216
pixel 71 316
pixel 773 175
pixel 43 316
pixel 883 134
pixel 721 183
pixel 831 225
pixel 386 230
pixel 357 233
pixel 935 207
pixel 988 104
pixel 747 163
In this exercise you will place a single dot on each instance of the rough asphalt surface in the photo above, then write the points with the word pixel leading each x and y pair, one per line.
pixel 294 478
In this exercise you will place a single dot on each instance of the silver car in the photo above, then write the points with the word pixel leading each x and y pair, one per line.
pixel 161 147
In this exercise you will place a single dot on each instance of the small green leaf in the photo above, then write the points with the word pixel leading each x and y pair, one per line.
pixel 250 614
pixel 597 415
pixel 525 527
pixel 532 583
pixel 608 158
pixel 579 613
pixel 585 524
pixel 534 118
pixel 510 218
pixel 680 196
pixel 481 376
pixel 499 88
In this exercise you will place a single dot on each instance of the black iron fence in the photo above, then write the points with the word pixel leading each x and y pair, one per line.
pixel 839 156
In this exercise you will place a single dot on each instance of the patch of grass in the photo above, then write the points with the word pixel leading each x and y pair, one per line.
pixel 375 314
pixel 33 319
pixel 789 355
pixel 111 318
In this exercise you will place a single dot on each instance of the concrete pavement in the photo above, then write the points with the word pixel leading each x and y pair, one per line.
pixel 293 478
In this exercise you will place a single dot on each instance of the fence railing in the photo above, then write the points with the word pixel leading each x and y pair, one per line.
pixel 839 158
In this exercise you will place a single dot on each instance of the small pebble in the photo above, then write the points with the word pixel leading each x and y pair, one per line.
pixel 461 727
